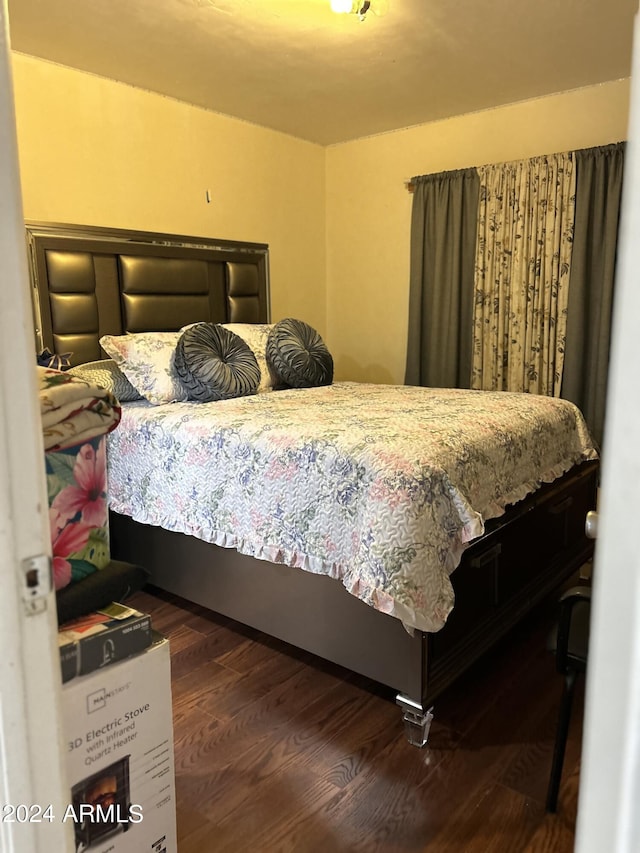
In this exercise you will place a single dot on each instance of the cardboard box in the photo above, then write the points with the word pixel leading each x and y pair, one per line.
pixel 102 638
pixel 119 744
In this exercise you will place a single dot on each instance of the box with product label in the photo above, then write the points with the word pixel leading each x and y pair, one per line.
pixel 101 638
pixel 119 743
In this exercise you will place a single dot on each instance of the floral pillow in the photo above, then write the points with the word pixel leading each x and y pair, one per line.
pixel 255 335
pixel 147 359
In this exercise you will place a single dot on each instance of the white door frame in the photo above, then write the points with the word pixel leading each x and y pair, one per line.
pixel 31 740
pixel 609 801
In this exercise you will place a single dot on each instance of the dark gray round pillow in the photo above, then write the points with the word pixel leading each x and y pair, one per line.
pixel 213 363
pixel 298 355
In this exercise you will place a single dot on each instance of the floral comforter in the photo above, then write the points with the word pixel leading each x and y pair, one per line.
pixel 73 410
pixel 381 487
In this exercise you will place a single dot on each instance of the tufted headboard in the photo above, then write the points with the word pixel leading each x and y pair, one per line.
pixel 90 282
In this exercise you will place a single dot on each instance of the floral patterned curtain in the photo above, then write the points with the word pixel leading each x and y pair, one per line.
pixel 523 253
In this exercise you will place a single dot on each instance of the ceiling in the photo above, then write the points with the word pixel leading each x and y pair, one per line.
pixel 297 67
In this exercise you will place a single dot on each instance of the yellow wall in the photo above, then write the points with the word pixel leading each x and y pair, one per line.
pixel 96 152
pixel 369 208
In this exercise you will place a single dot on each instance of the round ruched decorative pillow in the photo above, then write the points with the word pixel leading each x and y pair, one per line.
pixel 213 363
pixel 298 355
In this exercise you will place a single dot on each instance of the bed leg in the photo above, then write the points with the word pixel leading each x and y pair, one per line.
pixel 417 720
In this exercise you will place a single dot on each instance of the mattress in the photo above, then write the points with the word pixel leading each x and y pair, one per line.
pixel 380 487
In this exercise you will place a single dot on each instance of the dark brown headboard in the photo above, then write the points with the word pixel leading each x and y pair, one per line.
pixel 90 282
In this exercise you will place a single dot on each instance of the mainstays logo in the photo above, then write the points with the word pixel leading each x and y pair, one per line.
pixel 98 699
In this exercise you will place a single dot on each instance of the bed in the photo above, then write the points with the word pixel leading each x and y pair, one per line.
pixel 353 598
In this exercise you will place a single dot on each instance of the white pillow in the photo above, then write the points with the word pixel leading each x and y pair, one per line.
pixel 255 335
pixel 147 360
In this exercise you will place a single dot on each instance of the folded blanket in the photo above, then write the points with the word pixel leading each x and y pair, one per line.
pixel 73 410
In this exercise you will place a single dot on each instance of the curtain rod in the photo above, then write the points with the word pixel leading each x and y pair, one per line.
pixel 411 187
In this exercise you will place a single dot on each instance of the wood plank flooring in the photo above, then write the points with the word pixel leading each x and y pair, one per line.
pixel 278 752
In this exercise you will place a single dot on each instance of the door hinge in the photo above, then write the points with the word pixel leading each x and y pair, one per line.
pixel 36 572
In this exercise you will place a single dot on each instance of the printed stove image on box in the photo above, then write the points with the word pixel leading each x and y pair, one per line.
pixel 120 765
pixel 101 804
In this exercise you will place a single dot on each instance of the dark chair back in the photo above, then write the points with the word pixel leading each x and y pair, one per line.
pixel 570 642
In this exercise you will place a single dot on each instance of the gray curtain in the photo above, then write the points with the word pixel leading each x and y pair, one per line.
pixel 597 210
pixel 443 240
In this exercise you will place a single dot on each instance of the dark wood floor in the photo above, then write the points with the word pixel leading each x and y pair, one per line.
pixel 276 751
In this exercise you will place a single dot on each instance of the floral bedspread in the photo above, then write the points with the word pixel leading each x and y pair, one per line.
pixel 381 487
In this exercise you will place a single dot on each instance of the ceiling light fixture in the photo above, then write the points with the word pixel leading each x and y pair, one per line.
pixel 351 7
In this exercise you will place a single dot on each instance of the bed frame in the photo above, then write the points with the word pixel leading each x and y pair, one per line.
pixel 90 281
